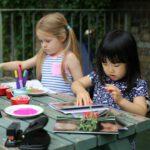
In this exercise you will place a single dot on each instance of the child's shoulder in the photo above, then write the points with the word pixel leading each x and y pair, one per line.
pixel 141 82
pixel 70 56
pixel 141 88
pixel 93 76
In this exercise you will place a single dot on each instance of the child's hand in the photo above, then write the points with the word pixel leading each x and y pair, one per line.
pixel 115 93
pixel 83 98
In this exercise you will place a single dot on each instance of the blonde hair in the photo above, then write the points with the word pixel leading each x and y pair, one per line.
pixel 56 24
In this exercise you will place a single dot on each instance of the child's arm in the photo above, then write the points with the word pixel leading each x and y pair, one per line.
pixel 79 88
pixel 74 66
pixel 138 106
pixel 13 65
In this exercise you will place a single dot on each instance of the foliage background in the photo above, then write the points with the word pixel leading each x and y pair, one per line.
pixel 15 50
pixel 56 4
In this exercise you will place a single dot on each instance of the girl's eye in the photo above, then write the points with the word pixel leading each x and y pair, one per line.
pixel 48 41
pixel 116 65
pixel 104 64
pixel 41 41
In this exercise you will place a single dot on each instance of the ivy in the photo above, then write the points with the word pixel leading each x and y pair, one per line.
pixel 56 4
pixel 14 50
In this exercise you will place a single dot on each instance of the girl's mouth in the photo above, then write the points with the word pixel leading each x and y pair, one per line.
pixel 113 77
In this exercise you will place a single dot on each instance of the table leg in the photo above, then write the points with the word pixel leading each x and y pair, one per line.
pixel 122 144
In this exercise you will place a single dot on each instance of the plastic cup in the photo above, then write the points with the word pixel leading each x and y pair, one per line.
pixel 9 93
pixel 3 89
pixel 21 99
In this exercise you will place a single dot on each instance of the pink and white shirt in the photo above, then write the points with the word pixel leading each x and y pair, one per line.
pixel 52 77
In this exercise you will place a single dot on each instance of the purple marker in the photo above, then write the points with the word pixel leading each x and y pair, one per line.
pixel 17 79
pixel 17 83
pixel 25 77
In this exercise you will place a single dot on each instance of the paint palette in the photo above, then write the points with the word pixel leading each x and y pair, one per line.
pixel 36 92
pixel 22 111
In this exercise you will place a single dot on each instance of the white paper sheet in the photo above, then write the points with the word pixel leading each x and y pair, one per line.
pixel 30 84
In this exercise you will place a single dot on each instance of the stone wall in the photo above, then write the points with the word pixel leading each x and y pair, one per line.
pixel 130 4
pixel 139 26
pixel 144 54
pixel 142 36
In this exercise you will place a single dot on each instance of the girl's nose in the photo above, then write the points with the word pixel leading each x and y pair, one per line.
pixel 110 68
pixel 44 44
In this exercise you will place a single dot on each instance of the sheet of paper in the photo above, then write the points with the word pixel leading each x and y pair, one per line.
pixel 71 108
pixel 31 84
pixel 81 110
pixel 79 125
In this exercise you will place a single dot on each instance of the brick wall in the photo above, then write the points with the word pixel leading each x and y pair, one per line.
pixel 130 4
pixel 144 54
pixel 142 36
pixel 140 28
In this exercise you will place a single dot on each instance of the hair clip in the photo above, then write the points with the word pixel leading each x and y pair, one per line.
pixel 68 27
pixel 42 20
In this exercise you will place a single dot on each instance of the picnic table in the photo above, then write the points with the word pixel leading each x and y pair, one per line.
pixel 63 141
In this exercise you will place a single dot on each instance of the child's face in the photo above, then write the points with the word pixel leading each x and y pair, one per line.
pixel 50 43
pixel 115 71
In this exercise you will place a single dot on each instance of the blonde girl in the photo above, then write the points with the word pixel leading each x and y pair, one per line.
pixel 58 61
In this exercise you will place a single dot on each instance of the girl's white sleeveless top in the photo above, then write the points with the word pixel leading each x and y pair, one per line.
pixel 52 77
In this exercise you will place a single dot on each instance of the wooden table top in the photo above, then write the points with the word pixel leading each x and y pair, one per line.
pixel 59 141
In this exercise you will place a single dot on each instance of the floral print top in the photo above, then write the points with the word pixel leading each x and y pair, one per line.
pixel 101 96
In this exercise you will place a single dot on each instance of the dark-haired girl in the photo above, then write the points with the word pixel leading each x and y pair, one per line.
pixel 117 80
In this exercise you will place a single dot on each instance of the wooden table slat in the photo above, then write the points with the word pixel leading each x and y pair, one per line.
pixel 66 141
